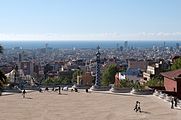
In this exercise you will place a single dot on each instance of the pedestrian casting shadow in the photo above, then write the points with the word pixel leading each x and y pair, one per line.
pixel 28 98
pixel 145 112
pixel 63 94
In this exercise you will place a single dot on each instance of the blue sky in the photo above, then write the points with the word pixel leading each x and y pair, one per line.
pixel 90 19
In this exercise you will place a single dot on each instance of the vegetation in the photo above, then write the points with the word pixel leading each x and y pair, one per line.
pixel 138 86
pixel 176 65
pixel 126 83
pixel 75 74
pixel 155 82
pixel 108 75
pixel 57 81
pixel 3 79
pixel 47 68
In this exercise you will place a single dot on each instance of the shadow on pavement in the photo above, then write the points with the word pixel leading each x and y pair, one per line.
pixel 145 112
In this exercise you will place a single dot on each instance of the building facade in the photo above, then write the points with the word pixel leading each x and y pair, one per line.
pixel 172 81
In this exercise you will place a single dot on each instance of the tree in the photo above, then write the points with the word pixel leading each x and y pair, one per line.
pixel 3 78
pixel 108 76
pixel 155 81
pixel 176 65
pixel 126 83
pixel 75 74
pixel 138 86
pixel 48 81
pixel 47 68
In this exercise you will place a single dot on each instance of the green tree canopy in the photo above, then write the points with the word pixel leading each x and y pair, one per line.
pixel 75 74
pixel 176 65
pixel 3 79
pixel 108 76
pixel 155 81
pixel 126 83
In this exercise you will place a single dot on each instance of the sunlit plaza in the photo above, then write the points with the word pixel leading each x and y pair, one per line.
pixel 84 106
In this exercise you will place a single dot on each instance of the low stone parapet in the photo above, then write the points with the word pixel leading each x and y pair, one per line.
pixel 100 88
pixel 156 93
pixel 120 90
pixel 141 92
pixel 162 95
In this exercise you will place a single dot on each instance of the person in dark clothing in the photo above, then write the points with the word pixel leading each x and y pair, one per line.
pixel 172 102
pixel 24 92
pixel 40 90
pixel 59 90
pixel 175 100
pixel 139 107
pixel 46 89
pixel 136 106
pixel 86 90
pixel 76 90
pixel 53 89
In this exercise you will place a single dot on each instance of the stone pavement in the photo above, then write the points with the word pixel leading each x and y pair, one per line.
pixel 84 106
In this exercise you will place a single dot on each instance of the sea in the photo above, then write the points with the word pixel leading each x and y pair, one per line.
pixel 88 44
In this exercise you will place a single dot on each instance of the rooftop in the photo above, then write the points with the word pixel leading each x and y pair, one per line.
pixel 172 74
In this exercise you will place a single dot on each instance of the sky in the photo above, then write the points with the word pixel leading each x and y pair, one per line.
pixel 90 20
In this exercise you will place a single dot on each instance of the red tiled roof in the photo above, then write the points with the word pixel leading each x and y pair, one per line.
pixel 172 74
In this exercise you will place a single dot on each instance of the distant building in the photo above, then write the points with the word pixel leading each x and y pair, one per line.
pixel 151 71
pixel 135 64
pixel 130 74
pixel 177 45
pixel 154 69
pixel 125 44
pixel 27 67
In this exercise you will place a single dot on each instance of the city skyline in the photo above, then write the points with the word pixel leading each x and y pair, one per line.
pixel 90 20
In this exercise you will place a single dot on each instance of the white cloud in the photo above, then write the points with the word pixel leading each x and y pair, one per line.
pixel 97 36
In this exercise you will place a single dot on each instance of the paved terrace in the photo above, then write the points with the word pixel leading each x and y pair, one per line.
pixel 84 106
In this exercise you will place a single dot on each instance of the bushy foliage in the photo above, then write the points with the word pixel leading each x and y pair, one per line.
pixel 108 76
pixel 176 65
pixel 75 74
pixel 155 81
pixel 57 81
pixel 138 86
pixel 3 78
pixel 126 83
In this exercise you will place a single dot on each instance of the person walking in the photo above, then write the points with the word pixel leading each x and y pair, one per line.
pixel 139 107
pixel 24 92
pixel 136 106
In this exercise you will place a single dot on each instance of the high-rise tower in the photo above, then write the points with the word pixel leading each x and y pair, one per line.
pixel 98 61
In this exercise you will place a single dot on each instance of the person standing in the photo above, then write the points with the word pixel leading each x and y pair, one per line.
pixel 59 90
pixel 24 92
pixel 172 102
pixel 175 100
pixel 86 90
